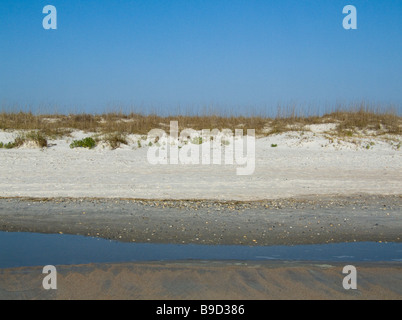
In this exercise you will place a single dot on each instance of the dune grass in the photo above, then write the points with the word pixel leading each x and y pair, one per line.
pixel 36 138
pixel 114 126
pixel 114 139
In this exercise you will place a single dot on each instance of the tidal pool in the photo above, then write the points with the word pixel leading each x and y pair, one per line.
pixel 19 249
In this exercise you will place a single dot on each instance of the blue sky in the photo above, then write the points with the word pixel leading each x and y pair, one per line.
pixel 165 56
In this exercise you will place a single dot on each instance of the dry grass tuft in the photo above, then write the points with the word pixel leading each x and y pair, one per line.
pixel 114 140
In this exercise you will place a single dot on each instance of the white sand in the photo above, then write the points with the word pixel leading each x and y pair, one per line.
pixel 301 164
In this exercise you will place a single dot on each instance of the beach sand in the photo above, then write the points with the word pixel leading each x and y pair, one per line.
pixel 300 165
pixel 306 190
pixel 205 280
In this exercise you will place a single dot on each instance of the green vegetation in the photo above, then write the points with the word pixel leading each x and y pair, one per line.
pixel 345 133
pixel 37 138
pixel 196 140
pixel 8 145
pixel 225 142
pixel 84 143
pixel 274 145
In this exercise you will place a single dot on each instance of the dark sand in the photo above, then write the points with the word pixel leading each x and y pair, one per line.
pixel 289 221
pixel 278 222
pixel 205 281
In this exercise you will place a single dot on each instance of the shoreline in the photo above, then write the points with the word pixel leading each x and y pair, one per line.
pixel 290 221
pixel 360 218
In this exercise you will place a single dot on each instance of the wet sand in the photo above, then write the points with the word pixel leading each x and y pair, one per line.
pixel 201 280
pixel 305 220
pixel 308 220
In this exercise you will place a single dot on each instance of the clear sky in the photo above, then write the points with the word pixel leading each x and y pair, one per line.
pixel 170 55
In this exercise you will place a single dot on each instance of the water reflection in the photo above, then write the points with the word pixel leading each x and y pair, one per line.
pixel 32 249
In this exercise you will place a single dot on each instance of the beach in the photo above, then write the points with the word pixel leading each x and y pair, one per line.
pixel 305 190
pixel 300 165
pixel 208 150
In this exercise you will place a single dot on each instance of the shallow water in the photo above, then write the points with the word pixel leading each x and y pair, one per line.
pixel 19 249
